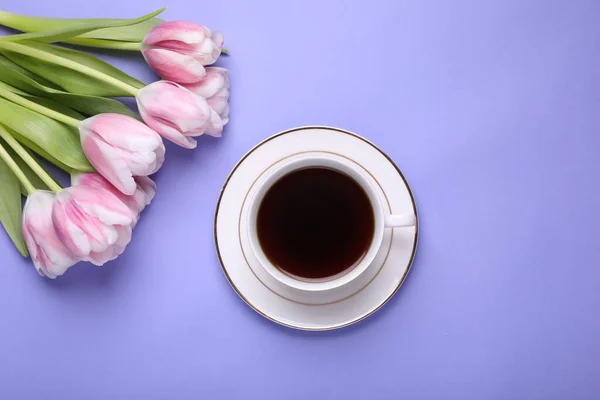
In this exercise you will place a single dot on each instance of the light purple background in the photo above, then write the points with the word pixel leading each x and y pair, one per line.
pixel 491 109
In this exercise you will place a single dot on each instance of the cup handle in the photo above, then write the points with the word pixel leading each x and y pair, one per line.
pixel 398 221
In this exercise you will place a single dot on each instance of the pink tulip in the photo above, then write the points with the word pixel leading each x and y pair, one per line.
pixel 176 113
pixel 179 50
pixel 144 191
pixel 50 257
pixel 144 194
pixel 92 223
pixel 214 87
pixel 121 147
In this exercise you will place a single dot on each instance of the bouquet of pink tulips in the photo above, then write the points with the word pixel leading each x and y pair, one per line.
pixel 57 103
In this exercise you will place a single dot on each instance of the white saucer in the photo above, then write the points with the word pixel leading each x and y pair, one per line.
pixel 392 264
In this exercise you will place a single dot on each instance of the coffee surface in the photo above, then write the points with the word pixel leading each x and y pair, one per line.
pixel 315 223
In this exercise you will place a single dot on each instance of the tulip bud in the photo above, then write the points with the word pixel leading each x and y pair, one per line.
pixel 144 191
pixel 121 147
pixel 92 223
pixel 179 50
pixel 214 87
pixel 175 113
pixel 50 257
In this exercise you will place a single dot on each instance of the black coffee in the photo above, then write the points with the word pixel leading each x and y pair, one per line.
pixel 315 223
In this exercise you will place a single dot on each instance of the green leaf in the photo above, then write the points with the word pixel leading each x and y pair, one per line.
pixel 5 63
pixel 13 75
pixel 71 80
pixel 55 141
pixel 60 34
pixel 40 151
pixel 11 213
pixel 90 105
pixel 47 103
pixel 31 176
pixel 131 33
pixel 61 108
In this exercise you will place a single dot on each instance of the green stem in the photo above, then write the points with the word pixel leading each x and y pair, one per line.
pixel 106 44
pixel 15 98
pixel 29 160
pixel 54 59
pixel 5 17
pixel 224 51
pixel 29 188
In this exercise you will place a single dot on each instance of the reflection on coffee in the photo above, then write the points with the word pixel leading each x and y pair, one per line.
pixel 315 223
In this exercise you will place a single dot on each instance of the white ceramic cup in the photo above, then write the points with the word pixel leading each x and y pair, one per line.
pixel 382 220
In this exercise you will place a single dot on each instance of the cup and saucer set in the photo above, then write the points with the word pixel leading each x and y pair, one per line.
pixel 322 303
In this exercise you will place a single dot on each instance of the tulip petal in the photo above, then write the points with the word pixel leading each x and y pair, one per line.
pixel 144 193
pixel 148 188
pixel 219 104
pixel 138 163
pixel 122 131
pixel 108 163
pixel 216 79
pixel 175 105
pixel 101 258
pixel 215 89
pixel 183 31
pixel 79 230
pixel 206 52
pixel 103 205
pixel 50 257
pixel 174 112
pixel 174 66
pixel 171 133
pixel 217 37
pixel 216 125
pixel 120 147
pixel 160 158
pixel 177 50
pixel 69 232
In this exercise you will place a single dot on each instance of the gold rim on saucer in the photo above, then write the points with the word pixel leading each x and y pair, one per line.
pixel 217 215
